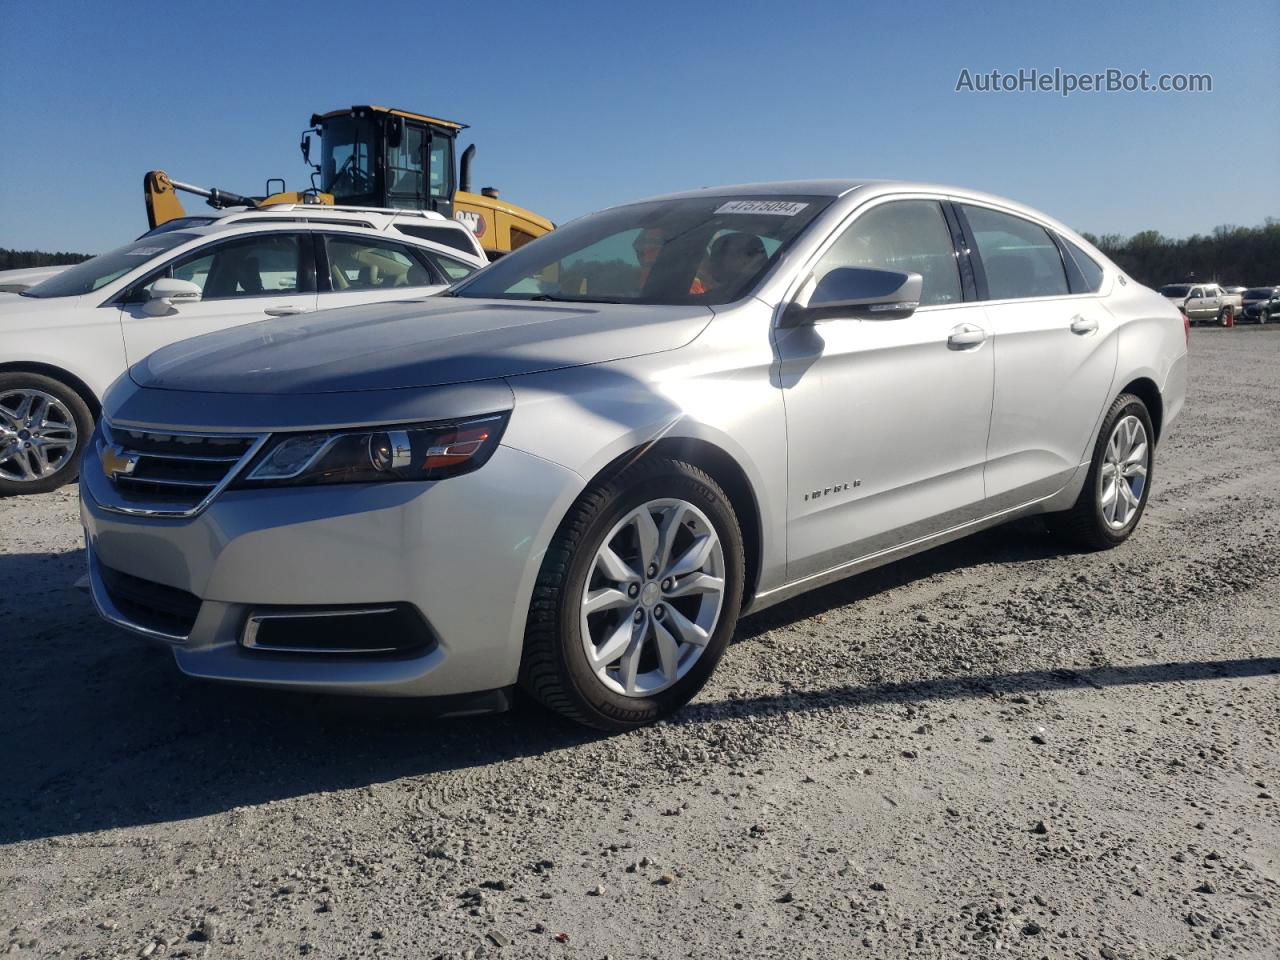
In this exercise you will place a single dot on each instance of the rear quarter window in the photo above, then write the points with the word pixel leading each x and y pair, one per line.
pixel 1090 271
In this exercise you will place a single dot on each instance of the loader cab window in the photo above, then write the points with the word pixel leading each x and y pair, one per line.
pixel 406 177
pixel 418 169
pixel 439 166
pixel 347 158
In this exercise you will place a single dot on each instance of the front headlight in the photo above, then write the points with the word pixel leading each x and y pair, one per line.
pixel 418 451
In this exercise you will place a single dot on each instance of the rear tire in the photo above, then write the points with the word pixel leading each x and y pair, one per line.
pixel 44 426
pixel 1224 317
pixel 572 661
pixel 1095 521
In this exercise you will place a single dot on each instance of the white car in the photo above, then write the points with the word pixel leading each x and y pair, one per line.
pixel 64 340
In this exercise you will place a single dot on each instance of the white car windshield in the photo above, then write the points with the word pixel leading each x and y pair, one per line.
pixel 700 250
pixel 98 272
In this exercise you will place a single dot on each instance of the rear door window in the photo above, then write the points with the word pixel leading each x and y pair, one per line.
pixel 1019 257
pixel 356 263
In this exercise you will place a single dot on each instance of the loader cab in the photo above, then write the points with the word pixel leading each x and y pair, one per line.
pixel 378 157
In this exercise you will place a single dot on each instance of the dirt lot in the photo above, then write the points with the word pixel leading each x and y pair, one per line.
pixel 998 747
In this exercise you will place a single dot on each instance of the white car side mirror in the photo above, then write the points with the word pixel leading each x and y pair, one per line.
pixel 166 294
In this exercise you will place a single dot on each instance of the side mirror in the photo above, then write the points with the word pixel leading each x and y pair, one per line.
pixel 855 293
pixel 166 294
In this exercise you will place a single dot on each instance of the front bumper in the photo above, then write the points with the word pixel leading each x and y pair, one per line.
pixel 464 552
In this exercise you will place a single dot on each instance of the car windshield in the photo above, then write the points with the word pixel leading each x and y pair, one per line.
pixel 1176 290
pixel 1258 293
pixel 702 250
pixel 98 272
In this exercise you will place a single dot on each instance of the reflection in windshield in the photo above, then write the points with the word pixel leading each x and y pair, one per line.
pixel 703 250
pixel 103 269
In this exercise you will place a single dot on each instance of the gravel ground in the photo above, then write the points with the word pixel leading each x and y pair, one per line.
pixel 996 747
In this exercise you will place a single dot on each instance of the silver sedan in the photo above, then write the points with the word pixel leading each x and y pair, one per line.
pixel 576 469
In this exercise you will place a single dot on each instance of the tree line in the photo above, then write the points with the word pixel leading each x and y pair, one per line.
pixel 21 259
pixel 1247 256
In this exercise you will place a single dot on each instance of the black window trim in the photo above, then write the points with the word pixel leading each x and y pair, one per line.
pixel 324 280
pixel 964 258
pixel 123 298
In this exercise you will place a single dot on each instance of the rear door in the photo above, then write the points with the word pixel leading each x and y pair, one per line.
pixel 1055 354
pixel 244 279
pixel 355 268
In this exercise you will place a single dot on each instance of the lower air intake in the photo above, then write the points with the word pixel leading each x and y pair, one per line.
pixel 381 629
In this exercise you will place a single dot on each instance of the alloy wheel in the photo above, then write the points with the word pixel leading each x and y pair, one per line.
pixel 1122 480
pixel 653 597
pixel 37 435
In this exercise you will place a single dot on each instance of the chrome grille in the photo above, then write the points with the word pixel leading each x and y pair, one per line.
pixel 174 473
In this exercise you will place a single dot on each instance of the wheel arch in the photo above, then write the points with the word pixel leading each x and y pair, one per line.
pixel 1146 390
pixel 65 377
pixel 728 473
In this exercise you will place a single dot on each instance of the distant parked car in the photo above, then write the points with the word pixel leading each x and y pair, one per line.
pixel 63 341
pixel 1261 304
pixel 1203 301
pixel 24 278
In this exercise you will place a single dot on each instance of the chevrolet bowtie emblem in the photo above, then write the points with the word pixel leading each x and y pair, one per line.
pixel 116 462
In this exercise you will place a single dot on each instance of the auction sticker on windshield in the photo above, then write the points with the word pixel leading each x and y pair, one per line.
pixel 782 208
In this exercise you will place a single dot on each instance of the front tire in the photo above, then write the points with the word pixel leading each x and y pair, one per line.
pixel 637 597
pixel 44 426
pixel 1119 482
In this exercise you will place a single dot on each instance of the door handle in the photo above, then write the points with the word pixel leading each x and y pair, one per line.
pixel 1083 325
pixel 282 311
pixel 966 335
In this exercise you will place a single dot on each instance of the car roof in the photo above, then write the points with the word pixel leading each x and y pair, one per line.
pixel 348 218
pixel 862 188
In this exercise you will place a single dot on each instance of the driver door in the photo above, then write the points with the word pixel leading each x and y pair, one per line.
pixel 887 420
pixel 242 280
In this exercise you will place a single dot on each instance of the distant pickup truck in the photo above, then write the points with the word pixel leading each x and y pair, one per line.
pixel 1204 301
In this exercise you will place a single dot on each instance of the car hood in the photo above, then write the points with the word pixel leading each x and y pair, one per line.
pixel 422 343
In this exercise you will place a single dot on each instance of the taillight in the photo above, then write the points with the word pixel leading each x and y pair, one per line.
pixel 1186 328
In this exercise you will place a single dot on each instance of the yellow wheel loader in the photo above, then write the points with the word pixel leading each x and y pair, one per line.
pixel 378 157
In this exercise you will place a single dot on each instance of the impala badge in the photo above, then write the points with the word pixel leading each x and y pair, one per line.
pixel 116 462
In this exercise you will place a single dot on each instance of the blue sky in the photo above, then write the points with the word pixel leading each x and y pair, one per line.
pixel 575 106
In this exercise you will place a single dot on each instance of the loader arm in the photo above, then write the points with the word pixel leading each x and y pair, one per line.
pixel 163 205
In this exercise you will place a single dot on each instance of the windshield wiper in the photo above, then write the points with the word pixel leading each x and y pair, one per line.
pixel 554 299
